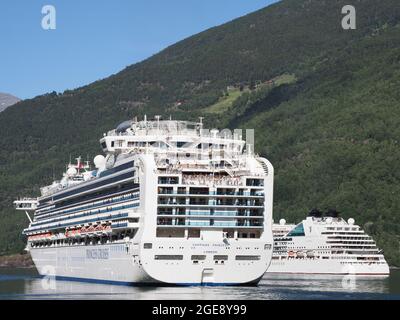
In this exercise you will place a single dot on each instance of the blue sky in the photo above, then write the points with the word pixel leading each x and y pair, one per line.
pixel 96 38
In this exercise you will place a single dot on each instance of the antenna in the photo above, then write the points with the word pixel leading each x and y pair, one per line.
pixel 87 162
pixel 157 117
pixel 201 122
pixel 249 149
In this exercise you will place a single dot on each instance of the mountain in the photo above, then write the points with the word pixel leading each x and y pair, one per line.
pixel 324 103
pixel 7 100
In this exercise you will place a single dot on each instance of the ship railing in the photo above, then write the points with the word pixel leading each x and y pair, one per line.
pixel 163 130
pixel 163 203
pixel 209 224
pixel 213 193
pixel 119 199
pixel 211 180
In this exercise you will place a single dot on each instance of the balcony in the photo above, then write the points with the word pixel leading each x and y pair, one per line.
pixel 210 224
pixel 208 213
pixel 212 193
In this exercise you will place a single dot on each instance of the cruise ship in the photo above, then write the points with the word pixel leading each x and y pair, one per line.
pixel 325 245
pixel 169 203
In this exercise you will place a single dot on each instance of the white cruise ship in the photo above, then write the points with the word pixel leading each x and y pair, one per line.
pixel 169 203
pixel 325 245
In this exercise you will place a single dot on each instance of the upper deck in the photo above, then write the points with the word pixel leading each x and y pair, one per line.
pixel 167 136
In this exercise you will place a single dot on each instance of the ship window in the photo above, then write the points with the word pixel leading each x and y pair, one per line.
pixel 297 231
pixel 180 144
pixel 170 233
pixel 248 258
pixel 147 246
pixel 255 182
pixel 158 144
pixel 168 180
pixel 112 144
pixel 268 246
pixel 194 233
pixel 220 257
pixel 168 257
pixel 198 257
pixel 104 145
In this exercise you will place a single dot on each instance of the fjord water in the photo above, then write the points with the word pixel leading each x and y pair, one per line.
pixel 25 284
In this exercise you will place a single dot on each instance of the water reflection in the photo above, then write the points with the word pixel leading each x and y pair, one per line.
pixel 25 284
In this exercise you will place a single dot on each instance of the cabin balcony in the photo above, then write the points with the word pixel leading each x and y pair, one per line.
pixel 210 205
pixel 209 223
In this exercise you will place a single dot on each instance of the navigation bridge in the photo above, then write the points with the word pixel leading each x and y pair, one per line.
pixel 27 205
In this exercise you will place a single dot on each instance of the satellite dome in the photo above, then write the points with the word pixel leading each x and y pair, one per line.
pixel 123 126
pixel 99 161
pixel 315 213
pixel 72 171
pixel 282 222
pixel 351 221
pixel 329 220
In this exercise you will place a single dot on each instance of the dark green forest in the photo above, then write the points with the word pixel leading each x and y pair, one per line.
pixel 324 103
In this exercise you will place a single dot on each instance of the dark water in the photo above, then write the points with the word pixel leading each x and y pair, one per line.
pixel 25 284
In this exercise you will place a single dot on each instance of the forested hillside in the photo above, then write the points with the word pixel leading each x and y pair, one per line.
pixel 324 103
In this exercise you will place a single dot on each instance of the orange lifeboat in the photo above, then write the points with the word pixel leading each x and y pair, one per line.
pixel 291 254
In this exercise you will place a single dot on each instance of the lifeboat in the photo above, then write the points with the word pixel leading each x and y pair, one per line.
pixel 310 254
pixel 291 254
pixel 300 254
pixel 106 229
pixel 77 233
pixel 40 236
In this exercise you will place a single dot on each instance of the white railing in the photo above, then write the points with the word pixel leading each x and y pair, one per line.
pixel 207 180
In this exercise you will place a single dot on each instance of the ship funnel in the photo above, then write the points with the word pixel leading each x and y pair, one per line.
pixel 315 213
pixel 332 213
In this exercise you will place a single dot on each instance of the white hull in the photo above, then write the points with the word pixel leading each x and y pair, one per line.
pixel 125 264
pixel 311 266
pixel 160 208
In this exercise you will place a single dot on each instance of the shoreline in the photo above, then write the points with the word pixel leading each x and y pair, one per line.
pixel 16 261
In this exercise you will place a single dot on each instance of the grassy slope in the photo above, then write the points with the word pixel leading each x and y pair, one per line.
pixel 225 102
pixel 336 143
pixel 331 134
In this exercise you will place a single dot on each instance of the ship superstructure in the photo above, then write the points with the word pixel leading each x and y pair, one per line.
pixel 325 245
pixel 169 203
